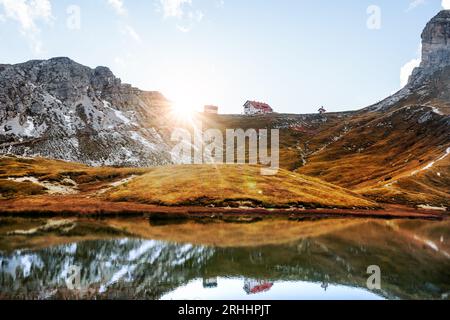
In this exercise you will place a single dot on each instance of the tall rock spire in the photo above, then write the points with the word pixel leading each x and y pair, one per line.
pixel 431 78
pixel 436 42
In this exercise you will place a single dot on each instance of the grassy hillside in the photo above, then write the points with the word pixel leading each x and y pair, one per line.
pixel 382 149
pixel 300 135
pixel 427 186
pixel 25 176
pixel 232 185
pixel 38 183
pixel 365 151
pixel 10 189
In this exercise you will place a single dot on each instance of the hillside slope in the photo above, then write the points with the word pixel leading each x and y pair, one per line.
pixel 233 185
pixel 384 147
pixel 42 180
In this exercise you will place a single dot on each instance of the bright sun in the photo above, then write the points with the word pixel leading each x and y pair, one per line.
pixel 183 110
pixel 190 88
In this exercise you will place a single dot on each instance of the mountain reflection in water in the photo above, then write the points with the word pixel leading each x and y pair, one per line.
pixel 412 255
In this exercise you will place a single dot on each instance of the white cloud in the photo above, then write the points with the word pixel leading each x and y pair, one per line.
pixel 191 18
pixel 183 11
pixel 118 7
pixel 27 13
pixel 129 31
pixel 446 4
pixel 415 3
pixel 174 8
pixel 407 70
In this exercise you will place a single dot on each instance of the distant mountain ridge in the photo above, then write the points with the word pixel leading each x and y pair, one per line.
pixel 61 109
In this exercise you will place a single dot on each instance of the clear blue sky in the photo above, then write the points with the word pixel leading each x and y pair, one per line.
pixel 294 54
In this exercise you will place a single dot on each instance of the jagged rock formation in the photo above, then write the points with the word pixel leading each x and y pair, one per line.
pixel 61 109
pixel 429 83
pixel 436 43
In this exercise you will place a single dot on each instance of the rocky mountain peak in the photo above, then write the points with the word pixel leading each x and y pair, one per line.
pixel 436 42
pixel 430 81
pixel 58 108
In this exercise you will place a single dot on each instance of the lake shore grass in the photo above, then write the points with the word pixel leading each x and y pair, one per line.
pixel 235 193
pixel 73 206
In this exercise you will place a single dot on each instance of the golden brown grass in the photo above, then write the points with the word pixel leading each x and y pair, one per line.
pixel 233 185
pixel 429 186
pixel 11 189
pixel 361 151
pixel 268 232
pixel 382 148
pixel 273 231
pixel 57 171
pixel 83 230
pixel 71 205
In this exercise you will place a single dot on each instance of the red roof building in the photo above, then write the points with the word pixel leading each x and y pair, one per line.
pixel 255 107
pixel 257 286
